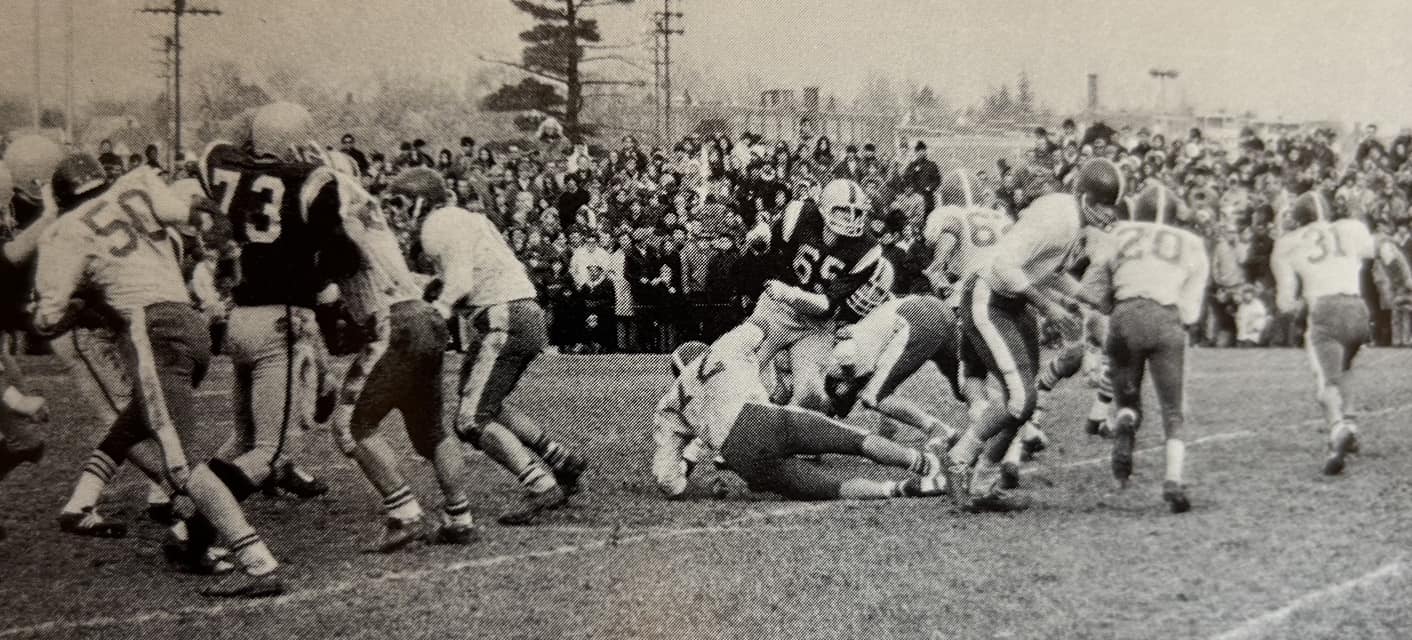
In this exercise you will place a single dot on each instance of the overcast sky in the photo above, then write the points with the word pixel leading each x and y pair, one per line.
pixel 1348 59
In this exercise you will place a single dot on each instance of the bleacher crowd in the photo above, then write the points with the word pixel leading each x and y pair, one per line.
pixel 636 248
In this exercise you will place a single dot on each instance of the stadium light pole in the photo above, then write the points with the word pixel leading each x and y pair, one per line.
pixel 178 9
pixel 664 29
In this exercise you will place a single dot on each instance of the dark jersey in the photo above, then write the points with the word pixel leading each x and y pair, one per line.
pixel 811 264
pixel 280 247
pixel 17 280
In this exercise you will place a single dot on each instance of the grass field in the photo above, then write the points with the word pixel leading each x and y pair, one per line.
pixel 1271 550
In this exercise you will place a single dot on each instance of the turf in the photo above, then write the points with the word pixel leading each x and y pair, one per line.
pixel 1271 549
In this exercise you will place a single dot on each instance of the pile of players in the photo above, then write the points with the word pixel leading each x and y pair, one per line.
pixel 319 276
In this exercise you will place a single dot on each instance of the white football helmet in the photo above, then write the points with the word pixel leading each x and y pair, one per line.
pixel 32 159
pixel 281 129
pixel 845 207
pixel 877 290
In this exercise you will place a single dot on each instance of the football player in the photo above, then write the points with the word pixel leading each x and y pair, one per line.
pixel 1318 266
pixel 1024 269
pixel 1156 274
pixel 719 401
pixel 824 257
pixel 485 289
pixel 291 254
pixel 957 234
pixel 391 370
pixel 109 245
pixel 18 445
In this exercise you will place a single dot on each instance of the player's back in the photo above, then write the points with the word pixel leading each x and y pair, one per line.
pixel 261 196
pixel 474 258
pixel 1040 243
pixel 1327 256
pixel 973 231
pixel 385 278
pixel 714 387
pixel 1155 261
pixel 127 255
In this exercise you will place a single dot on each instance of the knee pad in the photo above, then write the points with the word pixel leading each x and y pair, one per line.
pixel 233 477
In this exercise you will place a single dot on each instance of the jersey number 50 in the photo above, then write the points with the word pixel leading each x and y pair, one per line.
pixel 262 226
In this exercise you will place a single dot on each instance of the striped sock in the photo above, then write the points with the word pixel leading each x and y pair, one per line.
pixel 252 554
pixel 536 479
pixel 900 489
pixel 457 513
pixel 402 505
pixel 97 472
pixel 921 463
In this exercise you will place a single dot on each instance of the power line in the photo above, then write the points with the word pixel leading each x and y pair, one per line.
pixel 178 9
pixel 665 32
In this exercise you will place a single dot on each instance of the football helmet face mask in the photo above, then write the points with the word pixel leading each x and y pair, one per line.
pixel 845 207
pixel 874 292
pixel 77 179
pixel 281 129
pixel 32 159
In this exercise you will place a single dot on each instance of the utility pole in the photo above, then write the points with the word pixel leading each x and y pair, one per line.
pixel 178 9
pixel 69 71
pixel 165 48
pixel 37 85
pixel 665 30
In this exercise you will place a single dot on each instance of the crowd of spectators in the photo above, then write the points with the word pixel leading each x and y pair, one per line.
pixel 636 248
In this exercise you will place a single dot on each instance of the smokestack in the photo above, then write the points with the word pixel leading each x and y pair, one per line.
pixel 811 98
pixel 1093 92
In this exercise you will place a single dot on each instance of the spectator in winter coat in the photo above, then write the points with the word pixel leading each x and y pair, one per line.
pixel 923 175
pixel 596 298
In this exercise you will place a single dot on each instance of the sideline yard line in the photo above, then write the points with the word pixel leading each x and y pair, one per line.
pixel 317 594
pixel 1225 435
pixel 1259 625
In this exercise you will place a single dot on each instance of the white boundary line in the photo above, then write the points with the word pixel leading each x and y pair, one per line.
pixel 1258 625
pixel 734 525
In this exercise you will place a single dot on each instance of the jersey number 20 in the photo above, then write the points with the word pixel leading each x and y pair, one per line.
pixel 1134 243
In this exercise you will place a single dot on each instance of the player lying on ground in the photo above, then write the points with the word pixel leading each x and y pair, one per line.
pixel 719 400
pixel 823 256
pixel 485 290
pixel 1000 329
pixel 108 260
pixel 397 367
pixel 1318 266
pixel 1152 284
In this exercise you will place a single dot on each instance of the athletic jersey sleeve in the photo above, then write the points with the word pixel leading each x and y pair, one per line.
pixel 1194 288
pixel 63 259
pixel 1286 280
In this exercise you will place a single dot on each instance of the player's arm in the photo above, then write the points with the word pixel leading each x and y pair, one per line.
pixel 22 247
pixel 1194 288
pixel 671 435
pixel 1286 280
pixel 451 244
pixel 57 275
pixel 942 235
pixel 1028 237
pixel 806 303
pixel 845 284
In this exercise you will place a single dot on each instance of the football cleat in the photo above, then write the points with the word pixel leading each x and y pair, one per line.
pixel 397 534
pixel 162 513
pixel 293 480
pixel 1343 441
pixel 997 500
pixel 1009 475
pixel 88 523
pixel 534 505
pixel 1124 441
pixel 184 557
pixel 1032 441
pixel 956 475
pixel 569 472
pixel 1174 493
pixel 243 585
pixel 457 534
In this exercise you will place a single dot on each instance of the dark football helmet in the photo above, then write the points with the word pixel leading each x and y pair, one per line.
pixel 77 179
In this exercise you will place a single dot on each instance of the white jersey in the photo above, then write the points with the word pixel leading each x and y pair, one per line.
pixel 1321 259
pixel 1045 239
pixel 116 245
pixel 959 238
pixel 473 260
pixel 1162 263
pixel 705 400
pixel 385 279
